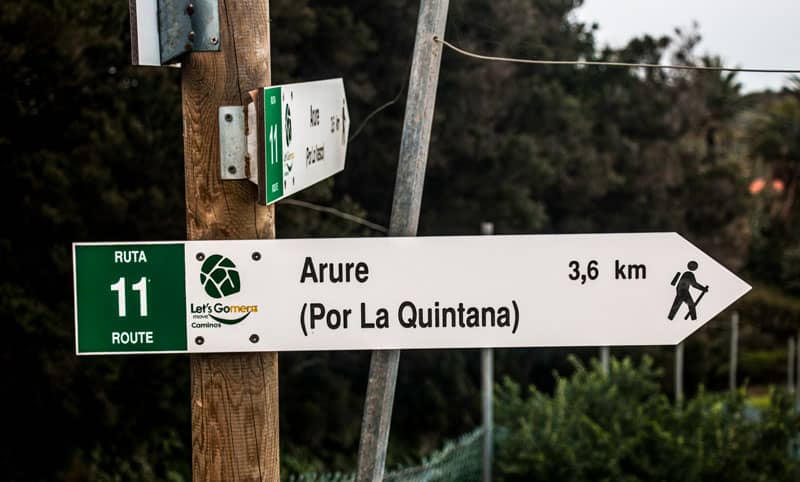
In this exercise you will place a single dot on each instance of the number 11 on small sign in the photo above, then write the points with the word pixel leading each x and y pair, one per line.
pixel 273 144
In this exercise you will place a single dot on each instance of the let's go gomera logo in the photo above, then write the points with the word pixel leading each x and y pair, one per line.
pixel 220 279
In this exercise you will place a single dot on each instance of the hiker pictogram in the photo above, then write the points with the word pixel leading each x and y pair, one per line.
pixel 683 282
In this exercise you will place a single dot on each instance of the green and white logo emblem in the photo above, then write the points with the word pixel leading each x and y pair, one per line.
pixel 219 276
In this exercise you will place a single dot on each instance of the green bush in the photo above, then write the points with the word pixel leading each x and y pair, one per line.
pixel 621 427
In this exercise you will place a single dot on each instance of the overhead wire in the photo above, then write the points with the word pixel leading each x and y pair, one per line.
pixel 376 111
pixel 601 63
pixel 335 212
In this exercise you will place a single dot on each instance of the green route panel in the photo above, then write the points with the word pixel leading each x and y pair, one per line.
pixel 130 298
pixel 274 142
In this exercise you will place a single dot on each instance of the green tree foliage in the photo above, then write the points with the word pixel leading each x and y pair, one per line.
pixel 570 149
pixel 770 132
pixel 621 427
pixel 91 151
pixel 774 139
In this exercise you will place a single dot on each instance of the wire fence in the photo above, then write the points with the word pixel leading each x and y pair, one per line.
pixel 459 460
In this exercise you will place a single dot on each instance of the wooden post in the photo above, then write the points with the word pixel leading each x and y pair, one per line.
pixel 234 396
pixel 679 373
pixel 422 83
pixel 734 351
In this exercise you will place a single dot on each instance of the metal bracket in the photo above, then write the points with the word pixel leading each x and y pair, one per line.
pixel 232 143
pixel 162 30
pixel 185 25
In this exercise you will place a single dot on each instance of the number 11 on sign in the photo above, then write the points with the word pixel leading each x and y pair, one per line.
pixel 140 287
pixel 273 144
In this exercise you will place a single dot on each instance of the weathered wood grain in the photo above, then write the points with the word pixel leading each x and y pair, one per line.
pixel 234 396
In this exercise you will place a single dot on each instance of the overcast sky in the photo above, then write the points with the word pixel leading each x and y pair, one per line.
pixel 744 33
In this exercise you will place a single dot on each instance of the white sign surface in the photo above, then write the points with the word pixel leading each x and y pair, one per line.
pixel 439 292
pixel 304 129
pixel 144 32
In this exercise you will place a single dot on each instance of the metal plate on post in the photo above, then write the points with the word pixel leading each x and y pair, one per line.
pixel 232 143
pixel 205 22
pixel 186 25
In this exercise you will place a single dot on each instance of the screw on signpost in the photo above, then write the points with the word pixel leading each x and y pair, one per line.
pixel 734 351
pixel 487 383
pixel 234 396
pixel 421 98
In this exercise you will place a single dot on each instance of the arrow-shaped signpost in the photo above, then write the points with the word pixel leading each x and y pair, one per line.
pixel 396 293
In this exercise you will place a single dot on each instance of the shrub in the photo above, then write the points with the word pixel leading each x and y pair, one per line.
pixel 620 427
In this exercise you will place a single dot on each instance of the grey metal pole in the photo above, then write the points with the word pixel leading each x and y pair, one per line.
pixel 734 350
pixel 797 375
pixel 487 366
pixel 605 359
pixel 420 102
pixel 679 373
pixel 790 366
pixel 487 384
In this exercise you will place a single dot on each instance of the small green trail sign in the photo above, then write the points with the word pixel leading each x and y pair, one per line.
pixel 130 297
pixel 303 131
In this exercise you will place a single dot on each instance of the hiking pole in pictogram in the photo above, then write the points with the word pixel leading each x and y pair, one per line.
pixel 697 302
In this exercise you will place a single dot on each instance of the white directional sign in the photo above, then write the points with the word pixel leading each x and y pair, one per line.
pixel 303 136
pixel 396 293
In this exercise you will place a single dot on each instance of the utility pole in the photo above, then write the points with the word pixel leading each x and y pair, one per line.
pixel 605 359
pixel 734 350
pixel 422 83
pixel 234 396
pixel 679 373
pixel 487 384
